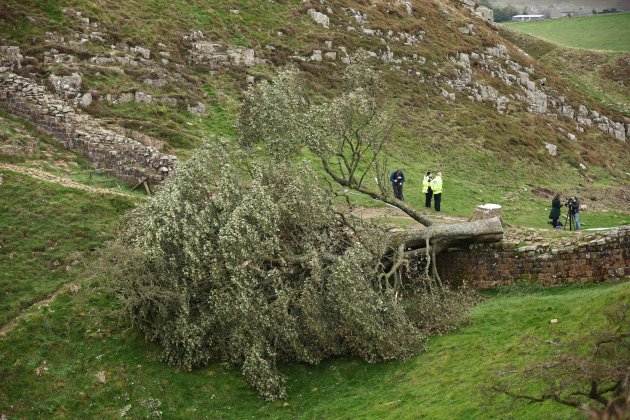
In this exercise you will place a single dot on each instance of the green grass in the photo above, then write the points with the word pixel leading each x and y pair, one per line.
pixel 44 230
pixel 602 32
pixel 80 335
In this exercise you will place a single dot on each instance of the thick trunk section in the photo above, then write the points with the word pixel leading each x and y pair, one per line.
pixel 444 236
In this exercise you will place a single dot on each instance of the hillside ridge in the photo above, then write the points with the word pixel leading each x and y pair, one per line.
pixel 446 66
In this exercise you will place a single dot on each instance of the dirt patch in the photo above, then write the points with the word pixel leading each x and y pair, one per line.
pixel 542 192
pixel 619 71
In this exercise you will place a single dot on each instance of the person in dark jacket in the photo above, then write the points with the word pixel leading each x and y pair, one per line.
pixel 426 189
pixel 397 178
pixel 554 215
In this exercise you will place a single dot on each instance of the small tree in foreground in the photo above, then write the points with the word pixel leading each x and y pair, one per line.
pixel 591 373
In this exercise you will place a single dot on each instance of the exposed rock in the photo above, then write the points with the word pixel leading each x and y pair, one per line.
pixel 67 86
pixel 86 100
pixel 198 109
pixel 447 95
pixel 216 55
pixel 360 18
pixel 168 101
pixel 319 18
pixel 537 101
pixel 316 55
pixel 155 82
pixel 407 5
pixel 571 136
pixel 10 58
pixel 552 149
pixel 567 111
pixel 143 98
pixel 141 51
pixel 466 30
pixel 126 98
pixel 499 51
pixel 485 13
pixel 242 56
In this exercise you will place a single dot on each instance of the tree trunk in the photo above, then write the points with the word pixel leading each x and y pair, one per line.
pixel 444 235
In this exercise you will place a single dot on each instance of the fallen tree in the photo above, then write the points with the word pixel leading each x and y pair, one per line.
pixel 243 257
pixel 249 261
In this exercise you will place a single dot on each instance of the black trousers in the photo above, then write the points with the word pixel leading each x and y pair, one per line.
pixel 398 191
pixel 427 198
pixel 438 201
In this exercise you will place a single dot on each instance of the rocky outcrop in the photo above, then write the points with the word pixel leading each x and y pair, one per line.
pixel 10 58
pixel 483 12
pixel 215 54
pixel 319 18
pixel 536 95
pixel 107 149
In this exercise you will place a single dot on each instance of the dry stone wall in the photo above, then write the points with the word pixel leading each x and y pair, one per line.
pixel 119 155
pixel 589 258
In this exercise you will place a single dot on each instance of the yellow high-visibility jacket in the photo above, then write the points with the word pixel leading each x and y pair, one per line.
pixel 425 184
pixel 436 185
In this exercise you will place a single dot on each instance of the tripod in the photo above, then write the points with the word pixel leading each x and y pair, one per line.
pixel 569 220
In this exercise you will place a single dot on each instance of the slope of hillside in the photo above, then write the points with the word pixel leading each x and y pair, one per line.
pixel 610 32
pixel 604 76
pixel 178 78
pixel 160 76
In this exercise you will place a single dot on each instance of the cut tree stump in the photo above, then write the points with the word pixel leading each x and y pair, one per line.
pixel 486 211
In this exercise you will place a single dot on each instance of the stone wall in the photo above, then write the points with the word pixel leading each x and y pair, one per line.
pixel 582 258
pixel 120 155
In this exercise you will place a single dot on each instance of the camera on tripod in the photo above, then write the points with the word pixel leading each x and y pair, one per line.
pixel 572 205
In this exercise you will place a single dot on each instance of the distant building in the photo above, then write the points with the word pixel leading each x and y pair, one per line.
pixel 527 18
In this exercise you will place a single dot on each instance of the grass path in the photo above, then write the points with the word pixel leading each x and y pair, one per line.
pixel 10 326
pixel 61 181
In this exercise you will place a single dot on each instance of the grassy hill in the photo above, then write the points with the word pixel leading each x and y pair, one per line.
pixel 609 32
pixel 74 357
pixel 485 156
